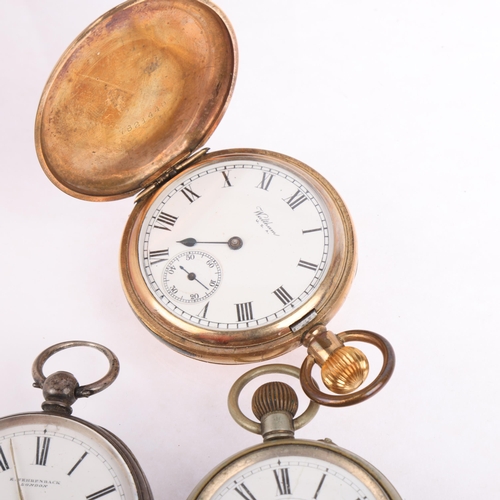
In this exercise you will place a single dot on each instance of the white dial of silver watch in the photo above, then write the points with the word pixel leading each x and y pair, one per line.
pixel 45 456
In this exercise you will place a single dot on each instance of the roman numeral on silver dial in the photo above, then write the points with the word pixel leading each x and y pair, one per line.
pixel 4 465
pixel 42 450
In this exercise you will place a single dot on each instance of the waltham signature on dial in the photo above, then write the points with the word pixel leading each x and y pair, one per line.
pixel 264 221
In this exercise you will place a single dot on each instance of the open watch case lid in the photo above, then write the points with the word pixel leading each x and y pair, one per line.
pixel 138 91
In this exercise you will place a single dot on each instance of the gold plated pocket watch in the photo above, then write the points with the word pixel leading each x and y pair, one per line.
pixel 285 467
pixel 51 454
pixel 230 257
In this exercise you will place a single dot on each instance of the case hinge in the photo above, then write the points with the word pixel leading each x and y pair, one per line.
pixel 171 172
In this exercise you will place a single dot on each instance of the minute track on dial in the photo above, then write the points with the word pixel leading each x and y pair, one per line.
pixel 295 263
pixel 283 228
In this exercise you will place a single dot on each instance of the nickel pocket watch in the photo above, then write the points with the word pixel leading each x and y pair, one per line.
pixel 285 467
pixel 51 454
pixel 233 256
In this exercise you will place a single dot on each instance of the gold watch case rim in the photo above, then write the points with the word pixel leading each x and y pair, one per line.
pixel 141 483
pixel 370 476
pixel 172 97
pixel 255 344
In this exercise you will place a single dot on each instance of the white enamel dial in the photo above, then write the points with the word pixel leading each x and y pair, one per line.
pixel 49 457
pixel 295 469
pixel 266 228
pixel 294 477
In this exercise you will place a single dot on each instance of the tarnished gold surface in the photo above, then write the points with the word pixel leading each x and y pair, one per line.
pixel 140 89
pixel 343 368
pixel 320 343
pixel 134 95
pixel 346 399
pixel 256 344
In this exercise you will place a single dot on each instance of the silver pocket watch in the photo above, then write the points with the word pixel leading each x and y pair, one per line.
pixel 282 466
pixel 51 454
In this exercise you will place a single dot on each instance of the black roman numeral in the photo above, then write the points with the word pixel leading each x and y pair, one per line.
pixel 77 464
pixel 283 295
pixel 244 311
pixel 307 265
pixel 189 194
pixel 157 256
pixel 4 465
pixel 283 481
pixel 244 492
pixel 227 182
pixel 203 312
pixel 165 221
pixel 319 487
pixel 295 200
pixel 266 180
pixel 101 493
pixel 42 450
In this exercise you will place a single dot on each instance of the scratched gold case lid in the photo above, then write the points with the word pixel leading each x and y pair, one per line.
pixel 140 89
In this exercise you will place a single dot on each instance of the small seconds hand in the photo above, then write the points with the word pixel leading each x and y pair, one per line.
pixel 192 276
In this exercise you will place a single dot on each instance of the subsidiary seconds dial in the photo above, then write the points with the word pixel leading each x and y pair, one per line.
pixel 235 244
pixel 192 277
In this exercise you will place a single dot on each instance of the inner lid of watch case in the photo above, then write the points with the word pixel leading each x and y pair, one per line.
pixel 139 90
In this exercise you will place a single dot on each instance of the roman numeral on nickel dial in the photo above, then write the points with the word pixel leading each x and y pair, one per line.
pixel 283 481
pixel 244 492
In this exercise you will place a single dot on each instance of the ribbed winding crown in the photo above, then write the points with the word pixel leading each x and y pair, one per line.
pixel 274 396
pixel 345 370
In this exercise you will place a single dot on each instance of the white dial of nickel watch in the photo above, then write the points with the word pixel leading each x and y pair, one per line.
pixel 297 478
pixel 259 237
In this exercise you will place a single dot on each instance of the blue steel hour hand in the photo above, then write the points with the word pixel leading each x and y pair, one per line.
pixel 234 243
